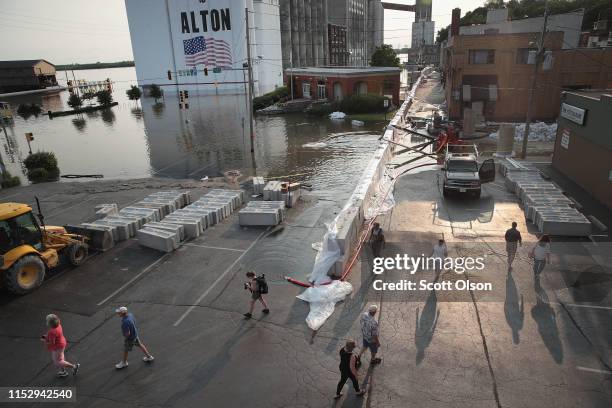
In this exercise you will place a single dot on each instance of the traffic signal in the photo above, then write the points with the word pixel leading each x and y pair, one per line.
pixel 186 93
pixel 205 71
pixel 181 96
pixel 109 87
pixel 169 75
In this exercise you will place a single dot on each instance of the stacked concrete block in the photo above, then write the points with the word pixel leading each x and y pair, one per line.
pixel 146 214
pixel 544 204
pixel 104 210
pixel 161 240
pixel 121 229
pixel 100 238
pixel 166 226
pixel 258 185
pixel 192 226
pixel 114 233
pixel 273 191
pixel 262 213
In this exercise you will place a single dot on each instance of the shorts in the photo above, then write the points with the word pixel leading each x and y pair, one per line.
pixel 128 344
pixel 372 346
pixel 255 295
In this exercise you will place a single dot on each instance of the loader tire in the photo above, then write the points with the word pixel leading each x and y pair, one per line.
pixel 77 253
pixel 25 275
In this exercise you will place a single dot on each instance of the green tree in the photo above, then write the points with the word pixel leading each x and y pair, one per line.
pixel 385 56
pixel 42 166
pixel 155 92
pixel 133 93
pixel 105 98
pixel 75 101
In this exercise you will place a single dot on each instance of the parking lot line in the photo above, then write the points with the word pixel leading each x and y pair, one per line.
pixel 213 247
pixel 211 287
pixel 145 270
pixel 594 370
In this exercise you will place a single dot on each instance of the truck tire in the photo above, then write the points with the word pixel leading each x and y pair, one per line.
pixel 25 275
pixel 77 253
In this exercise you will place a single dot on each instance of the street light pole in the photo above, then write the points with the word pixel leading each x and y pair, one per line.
pixel 250 68
pixel 539 53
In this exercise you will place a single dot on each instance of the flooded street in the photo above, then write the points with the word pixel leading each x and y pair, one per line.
pixel 143 139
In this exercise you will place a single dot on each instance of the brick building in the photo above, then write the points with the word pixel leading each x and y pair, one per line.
pixel 489 67
pixel 492 74
pixel 335 83
pixel 583 136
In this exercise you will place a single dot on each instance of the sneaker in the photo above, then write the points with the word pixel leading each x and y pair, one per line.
pixel 75 370
pixel 148 359
pixel 248 315
pixel 62 373
pixel 121 364
pixel 376 361
pixel 266 311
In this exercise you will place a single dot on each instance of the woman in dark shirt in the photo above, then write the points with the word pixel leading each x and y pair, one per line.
pixel 348 369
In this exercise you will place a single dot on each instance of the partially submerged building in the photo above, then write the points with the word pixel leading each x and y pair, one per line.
pixel 583 147
pixel 26 75
pixel 336 83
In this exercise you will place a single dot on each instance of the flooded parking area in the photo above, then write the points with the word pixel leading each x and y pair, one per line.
pixel 145 138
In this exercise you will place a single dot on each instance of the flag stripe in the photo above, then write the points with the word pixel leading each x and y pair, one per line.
pixel 208 51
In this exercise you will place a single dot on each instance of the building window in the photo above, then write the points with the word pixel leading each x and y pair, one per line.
pixel 306 89
pixel 321 91
pixel 482 56
pixel 522 55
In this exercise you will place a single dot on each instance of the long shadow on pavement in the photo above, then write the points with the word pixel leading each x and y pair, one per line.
pixel 513 308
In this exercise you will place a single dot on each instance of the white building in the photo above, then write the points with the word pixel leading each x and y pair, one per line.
pixel 189 37
pixel 498 23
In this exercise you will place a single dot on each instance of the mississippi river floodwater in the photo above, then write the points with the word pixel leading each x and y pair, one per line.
pixel 143 139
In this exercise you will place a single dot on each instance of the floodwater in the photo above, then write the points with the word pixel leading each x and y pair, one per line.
pixel 142 139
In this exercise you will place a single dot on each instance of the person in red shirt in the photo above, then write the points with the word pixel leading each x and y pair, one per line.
pixel 56 343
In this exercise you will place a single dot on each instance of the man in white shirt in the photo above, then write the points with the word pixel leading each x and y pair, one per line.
pixel 541 255
pixel 439 253
pixel 369 330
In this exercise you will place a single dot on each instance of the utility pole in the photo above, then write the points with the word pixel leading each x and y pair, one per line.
pixel 250 68
pixel 539 54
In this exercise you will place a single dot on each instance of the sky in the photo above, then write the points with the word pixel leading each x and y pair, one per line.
pixel 67 31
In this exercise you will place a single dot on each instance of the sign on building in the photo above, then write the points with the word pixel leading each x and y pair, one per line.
pixel 573 113
pixel 565 138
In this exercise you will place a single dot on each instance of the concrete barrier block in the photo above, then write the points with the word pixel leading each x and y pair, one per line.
pixel 178 228
pixel 123 228
pixel 100 239
pixel 193 226
pixel 164 241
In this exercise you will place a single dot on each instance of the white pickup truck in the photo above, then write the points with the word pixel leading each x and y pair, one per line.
pixel 462 173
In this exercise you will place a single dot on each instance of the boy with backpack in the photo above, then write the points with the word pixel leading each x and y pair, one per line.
pixel 258 286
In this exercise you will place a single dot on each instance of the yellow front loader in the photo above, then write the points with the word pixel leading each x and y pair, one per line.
pixel 28 250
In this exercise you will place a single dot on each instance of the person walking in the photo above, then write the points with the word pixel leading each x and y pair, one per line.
pixel 348 369
pixel 541 256
pixel 255 287
pixel 439 253
pixel 369 331
pixel 131 338
pixel 377 240
pixel 513 240
pixel 56 344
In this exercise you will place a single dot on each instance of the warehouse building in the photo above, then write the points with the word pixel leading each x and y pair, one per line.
pixel 336 83
pixel 583 147
pixel 25 75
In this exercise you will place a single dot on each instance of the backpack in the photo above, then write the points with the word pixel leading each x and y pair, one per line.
pixel 262 285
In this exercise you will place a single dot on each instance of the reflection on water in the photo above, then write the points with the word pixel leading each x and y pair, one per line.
pixel 158 139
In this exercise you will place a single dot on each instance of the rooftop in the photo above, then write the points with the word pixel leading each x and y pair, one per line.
pixel 344 71
pixel 21 63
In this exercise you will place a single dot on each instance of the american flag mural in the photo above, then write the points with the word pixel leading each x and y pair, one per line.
pixel 207 51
